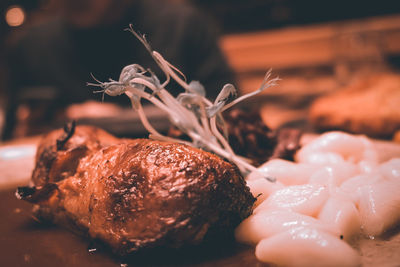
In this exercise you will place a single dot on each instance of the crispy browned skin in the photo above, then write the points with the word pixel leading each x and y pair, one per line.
pixel 58 154
pixel 139 193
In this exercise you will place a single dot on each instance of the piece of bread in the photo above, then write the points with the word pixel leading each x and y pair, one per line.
pixel 370 106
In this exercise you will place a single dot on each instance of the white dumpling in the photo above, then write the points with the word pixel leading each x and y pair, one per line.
pixel 379 206
pixel 368 167
pixel 390 170
pixel 284 171
pixel 352 186
pixel 343 215
pixel 305 199
pixel 351 148
pixel 306 247
pixel 268 223
pixel 321 158
pixel 334 174
pixel 262 189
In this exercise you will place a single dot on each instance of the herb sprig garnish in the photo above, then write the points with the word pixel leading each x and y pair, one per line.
pixel 191 112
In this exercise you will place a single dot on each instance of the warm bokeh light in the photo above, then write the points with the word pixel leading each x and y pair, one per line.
pixel 15 16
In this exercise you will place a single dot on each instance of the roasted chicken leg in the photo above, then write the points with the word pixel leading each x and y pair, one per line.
pixel 135 194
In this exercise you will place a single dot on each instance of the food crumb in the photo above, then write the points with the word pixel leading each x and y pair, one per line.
pixel 27 257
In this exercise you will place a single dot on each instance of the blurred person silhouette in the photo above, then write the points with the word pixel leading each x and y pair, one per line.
pixel 50 62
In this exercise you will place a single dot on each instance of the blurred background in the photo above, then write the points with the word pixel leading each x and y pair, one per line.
pixel 315 47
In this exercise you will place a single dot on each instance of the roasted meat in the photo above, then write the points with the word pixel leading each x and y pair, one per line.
pixel 60 151
pixel 251 138
pixel 135 194
pixel 368 105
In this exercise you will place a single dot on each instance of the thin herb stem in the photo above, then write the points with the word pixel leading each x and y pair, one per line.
pixel 196 116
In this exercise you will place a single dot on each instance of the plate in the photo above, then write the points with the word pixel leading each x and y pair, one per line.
pixel 26 242
pixel 16 164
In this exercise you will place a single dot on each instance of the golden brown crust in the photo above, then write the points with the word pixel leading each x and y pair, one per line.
pixel 54 163
pixel 368 106
pixel 143 193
